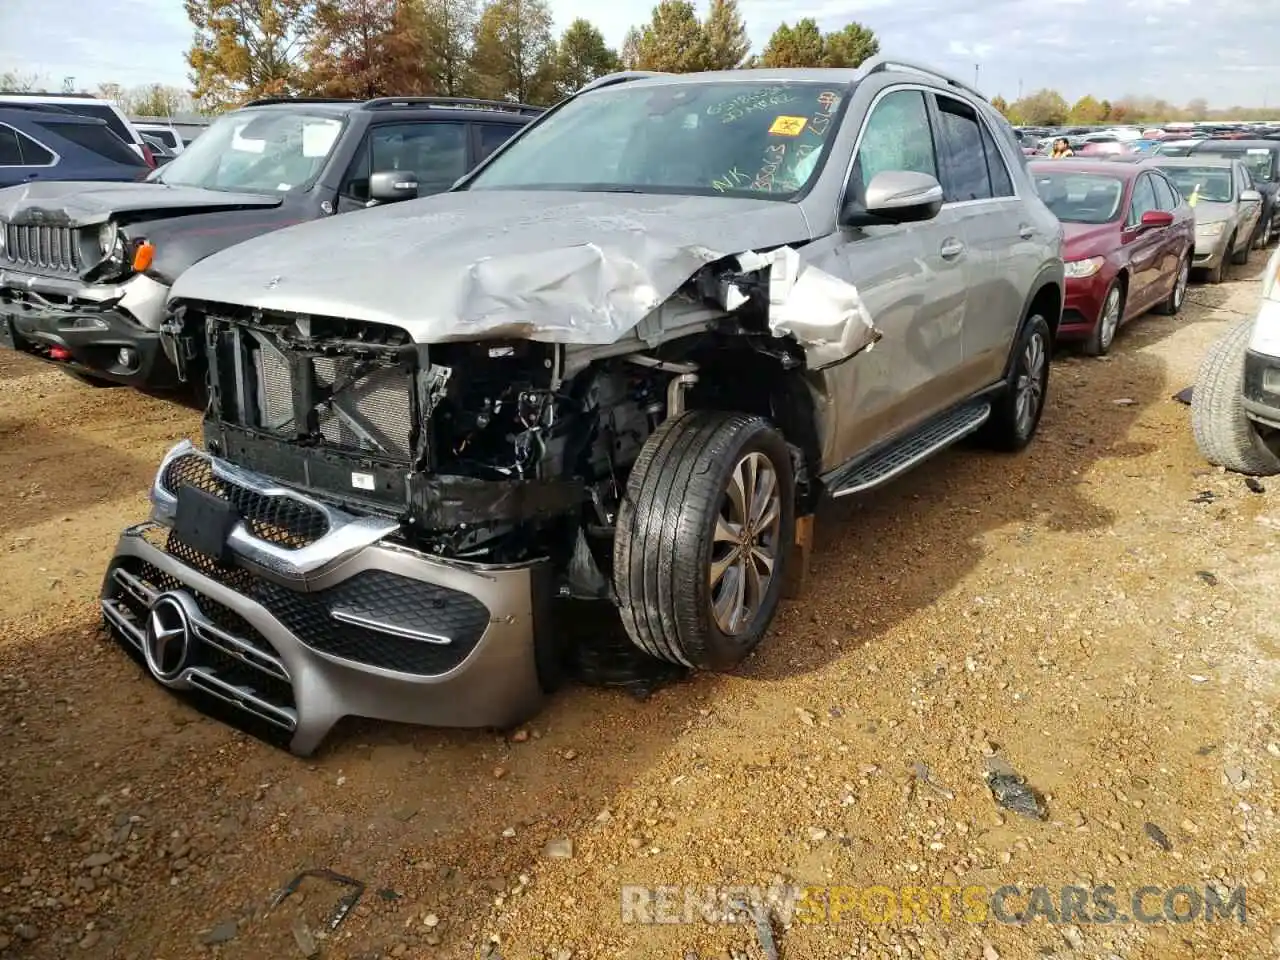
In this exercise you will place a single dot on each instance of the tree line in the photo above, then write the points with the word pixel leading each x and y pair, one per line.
pixel 495 49
pixel 1048 108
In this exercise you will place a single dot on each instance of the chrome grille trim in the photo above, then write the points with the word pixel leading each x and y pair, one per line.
pixel 41 247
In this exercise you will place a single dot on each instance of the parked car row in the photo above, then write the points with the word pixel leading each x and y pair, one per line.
pixel 90 265
pixel 618 356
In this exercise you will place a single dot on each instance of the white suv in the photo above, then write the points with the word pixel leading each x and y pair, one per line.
pixel 1235 406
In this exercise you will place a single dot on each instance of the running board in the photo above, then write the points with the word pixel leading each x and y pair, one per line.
pixel 915 447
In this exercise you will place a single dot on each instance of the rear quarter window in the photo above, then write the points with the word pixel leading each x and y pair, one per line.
pixel 105 113
pixel 97 139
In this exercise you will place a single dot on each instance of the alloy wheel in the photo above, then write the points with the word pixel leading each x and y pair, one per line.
pixel 1180 285
pixel 1029 387
pixel 745 545
pixel 1110 318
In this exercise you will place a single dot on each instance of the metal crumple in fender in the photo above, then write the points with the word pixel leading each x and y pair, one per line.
pixel 824 313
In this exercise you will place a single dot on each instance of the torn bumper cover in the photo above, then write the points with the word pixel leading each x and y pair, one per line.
pixel 295 637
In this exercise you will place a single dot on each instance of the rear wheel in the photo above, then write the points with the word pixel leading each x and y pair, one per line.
pixel 702 538
pixel 1224 434
pixel 1104 331
pixel 1015 414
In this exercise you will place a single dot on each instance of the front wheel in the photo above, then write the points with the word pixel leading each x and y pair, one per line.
pixel 1015 414
pixel 1171 306
pixel 703 537
pixel 1104 331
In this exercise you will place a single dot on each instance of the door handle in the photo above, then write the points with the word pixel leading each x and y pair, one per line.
pixel 1026 231
pixel 951 248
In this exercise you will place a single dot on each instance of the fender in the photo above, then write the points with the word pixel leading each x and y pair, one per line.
pixel 1053 272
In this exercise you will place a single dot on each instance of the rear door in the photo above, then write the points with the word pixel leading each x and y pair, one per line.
pixel 22 159
pixel 490 136
pixel 1003 253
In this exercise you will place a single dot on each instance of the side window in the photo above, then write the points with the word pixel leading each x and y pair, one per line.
pixel 997 169
pixel 434 150
pixel 897 136
pixel 33 154
pixel 1166 197
pixel 492 136
pixel 10 155
pixel 1144 199
pixel 964 165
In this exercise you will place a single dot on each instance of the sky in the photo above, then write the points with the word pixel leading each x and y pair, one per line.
pixel 1224 51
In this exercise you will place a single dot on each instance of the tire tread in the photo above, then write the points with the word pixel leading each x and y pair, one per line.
pixel 1223 433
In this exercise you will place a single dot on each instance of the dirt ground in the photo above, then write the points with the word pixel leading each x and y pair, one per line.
pixel 1101 613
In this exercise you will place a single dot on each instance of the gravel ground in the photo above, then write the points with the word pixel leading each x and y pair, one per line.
pixel 1100 614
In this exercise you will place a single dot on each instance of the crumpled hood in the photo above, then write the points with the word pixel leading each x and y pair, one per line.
pixel 81 204
pixel 553 266
pixel 1208 211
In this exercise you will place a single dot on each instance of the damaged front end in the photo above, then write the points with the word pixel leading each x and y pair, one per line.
pixel 379 525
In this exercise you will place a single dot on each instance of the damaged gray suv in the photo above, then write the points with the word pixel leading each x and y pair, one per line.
pixel 623 360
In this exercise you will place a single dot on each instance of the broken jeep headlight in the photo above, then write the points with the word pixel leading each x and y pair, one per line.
pixel 108 233
pixel 1079 269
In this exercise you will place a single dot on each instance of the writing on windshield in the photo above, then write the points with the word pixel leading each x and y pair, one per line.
pixel 729 137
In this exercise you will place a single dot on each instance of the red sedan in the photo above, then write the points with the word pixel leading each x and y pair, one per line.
pixel 1129 237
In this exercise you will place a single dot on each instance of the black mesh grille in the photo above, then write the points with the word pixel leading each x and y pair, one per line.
pixel 398 602
pixel 283 521
pixel 389 599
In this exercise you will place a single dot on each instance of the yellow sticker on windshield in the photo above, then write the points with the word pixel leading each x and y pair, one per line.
pixel 788 126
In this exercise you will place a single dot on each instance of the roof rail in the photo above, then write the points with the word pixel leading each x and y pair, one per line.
pixel 379 103
pixel 881 64
pixel 269 101
pixel 622 76
pixel 50 93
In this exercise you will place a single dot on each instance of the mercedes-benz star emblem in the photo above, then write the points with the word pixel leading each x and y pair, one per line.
pixel 168 638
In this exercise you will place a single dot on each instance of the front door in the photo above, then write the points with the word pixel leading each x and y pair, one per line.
pixel 1145 247
pixel 912 279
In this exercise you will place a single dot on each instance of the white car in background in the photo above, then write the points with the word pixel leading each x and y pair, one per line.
pixel 1235 405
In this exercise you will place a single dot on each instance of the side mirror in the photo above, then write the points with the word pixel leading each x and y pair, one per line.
pixel 1250 196
pixel 1157 218
pixel 896 196
pixel 392 185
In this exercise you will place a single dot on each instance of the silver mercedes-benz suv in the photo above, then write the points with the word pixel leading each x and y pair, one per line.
pixel 623 360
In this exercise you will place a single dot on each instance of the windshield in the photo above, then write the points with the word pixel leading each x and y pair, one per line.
pixel 1203 183
pixel 1080 197
pixel 256 151
pixel 734 138
pixel 1259 160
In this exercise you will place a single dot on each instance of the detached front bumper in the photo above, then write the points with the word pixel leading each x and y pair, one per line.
pixel 312 614
pixel 1262 389
pixel 109 331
